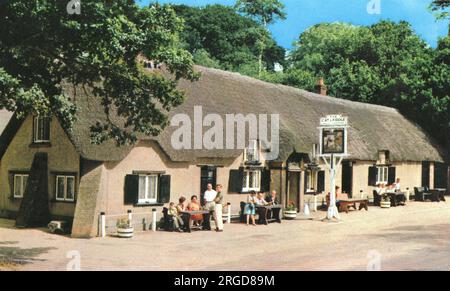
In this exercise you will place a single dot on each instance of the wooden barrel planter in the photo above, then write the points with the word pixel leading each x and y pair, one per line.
pixel 125 232
pixel 385 204
pixel 290 214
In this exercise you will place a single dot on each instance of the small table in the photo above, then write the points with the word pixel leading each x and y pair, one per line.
pixel 264 211
pixel 397 198
pixel 441 192
pixel 187 218
pixel 345 204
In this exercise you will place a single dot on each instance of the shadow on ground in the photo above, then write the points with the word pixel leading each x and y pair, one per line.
pixel 11 256
pixel 430 247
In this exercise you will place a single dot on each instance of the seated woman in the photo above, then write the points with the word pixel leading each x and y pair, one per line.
pixel 195 206
pixel 250 208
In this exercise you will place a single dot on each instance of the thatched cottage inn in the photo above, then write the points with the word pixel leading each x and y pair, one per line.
pixel 80 180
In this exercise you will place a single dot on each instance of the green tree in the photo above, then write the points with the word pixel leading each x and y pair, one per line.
pixel 218 35
pixel 42 46
pixel 441 7
pixel 386 64
pixel 265 12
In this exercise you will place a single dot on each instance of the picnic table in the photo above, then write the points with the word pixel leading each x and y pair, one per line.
pixel 345 204
pixel 397 198
pixel 268 213
pixel 441 193
pixel 187 218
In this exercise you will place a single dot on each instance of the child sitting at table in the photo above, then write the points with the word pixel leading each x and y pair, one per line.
pixel 177 220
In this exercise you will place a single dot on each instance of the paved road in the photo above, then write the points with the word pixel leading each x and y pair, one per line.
pixel 415 237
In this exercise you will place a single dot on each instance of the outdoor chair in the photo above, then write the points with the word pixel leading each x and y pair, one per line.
pixel 421 194
pixel 376 198
pixel 242 217
pixel 168 220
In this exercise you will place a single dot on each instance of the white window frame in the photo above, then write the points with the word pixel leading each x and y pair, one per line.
pixel 147 200
pixel 22 186
pixel 257 178
pixel 382 172
pixel 36 138
pixel 65 198
pixel 252 150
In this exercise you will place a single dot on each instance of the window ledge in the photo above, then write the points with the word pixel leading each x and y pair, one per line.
pixel 62 201
pixel 40 145
pixel 15 198
pixel 148 204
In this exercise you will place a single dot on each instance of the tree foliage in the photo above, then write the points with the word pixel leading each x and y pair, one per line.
pixel 441 7
pixel 41 46
pixel 386 64
pixel 217 36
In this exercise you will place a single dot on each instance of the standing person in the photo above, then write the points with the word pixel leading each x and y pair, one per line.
pixel 397 185
pixel 250 208
pixel 210 205
pixel 218 208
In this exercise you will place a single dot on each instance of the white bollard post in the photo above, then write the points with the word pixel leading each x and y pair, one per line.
pixel 407 194
pixel 315 203
pixel 130 217
pixel 102 224
pixel 154 219
pixel 229 214
pixel 361 193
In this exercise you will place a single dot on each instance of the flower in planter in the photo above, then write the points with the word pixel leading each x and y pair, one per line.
pixel 291 206
pixel 123 223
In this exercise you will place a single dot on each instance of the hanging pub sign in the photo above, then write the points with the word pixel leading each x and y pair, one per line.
pixel 333 135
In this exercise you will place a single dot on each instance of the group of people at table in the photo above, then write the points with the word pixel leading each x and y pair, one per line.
pixel 393 188
pixel 254 200
pixel 212 202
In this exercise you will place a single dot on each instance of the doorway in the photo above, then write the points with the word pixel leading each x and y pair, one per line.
pixel 208 175
pixel 426 174
pixel 347 178
pixel 294 188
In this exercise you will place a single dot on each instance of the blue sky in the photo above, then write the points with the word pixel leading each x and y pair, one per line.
pixel 305 13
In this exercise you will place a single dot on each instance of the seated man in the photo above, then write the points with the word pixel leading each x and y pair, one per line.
pixel 272 198
pixel 260 201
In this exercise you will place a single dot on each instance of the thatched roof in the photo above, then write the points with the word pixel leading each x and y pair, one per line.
pixel 5 116
pixel 372 127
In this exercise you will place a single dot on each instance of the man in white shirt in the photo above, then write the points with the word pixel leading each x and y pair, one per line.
pixel 397 185
pixel 209 197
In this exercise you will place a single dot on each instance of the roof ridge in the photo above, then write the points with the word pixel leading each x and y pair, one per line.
pixel 307 94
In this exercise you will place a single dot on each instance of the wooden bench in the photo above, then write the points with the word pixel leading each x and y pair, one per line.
pixel 346 203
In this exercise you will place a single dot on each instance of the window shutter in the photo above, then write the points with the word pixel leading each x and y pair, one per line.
pixel 164 189
pixel 391 175
pixel 235 181
pixel 131 189
pixel 265 181
pixel 373 172
pixel 321 182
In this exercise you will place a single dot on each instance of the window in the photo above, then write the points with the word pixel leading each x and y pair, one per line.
pixel 65 188
pixel 383 175
pixel 252 181
pixel 41 131
pixel 20 184
pixel 252 152
pixel 148 189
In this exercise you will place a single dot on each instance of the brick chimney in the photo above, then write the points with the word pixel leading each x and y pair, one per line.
pixel 321 88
